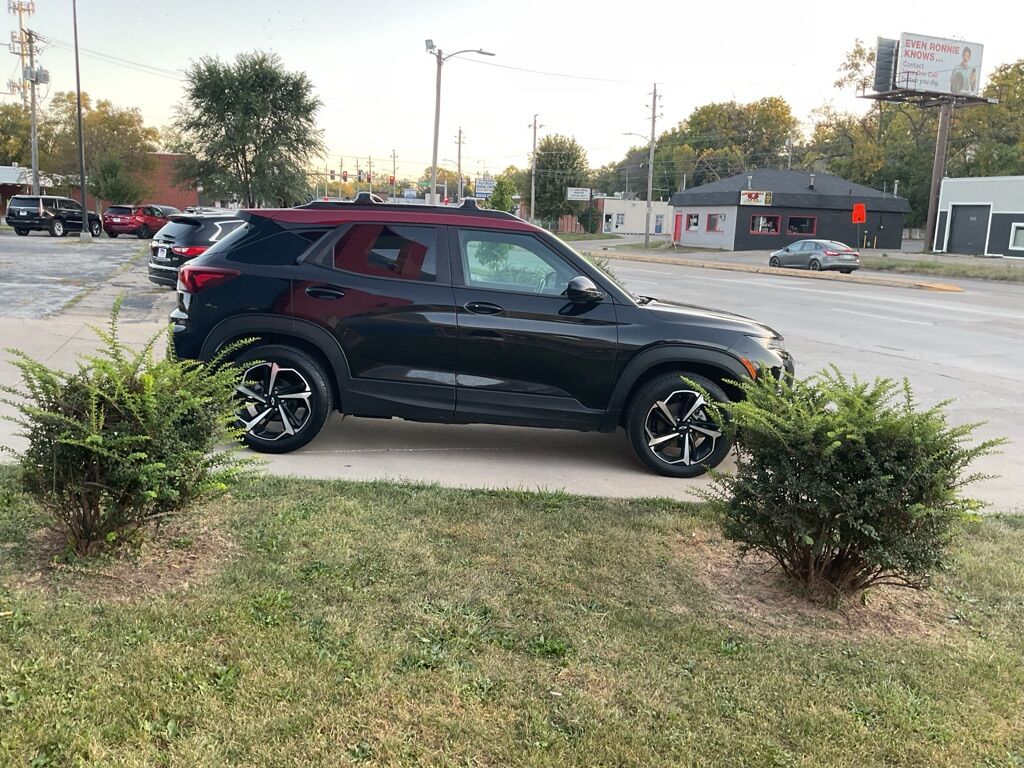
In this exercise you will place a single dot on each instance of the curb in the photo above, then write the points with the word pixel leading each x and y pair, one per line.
pixel 887 282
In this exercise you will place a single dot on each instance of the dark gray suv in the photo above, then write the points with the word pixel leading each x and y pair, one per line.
pixel 49 213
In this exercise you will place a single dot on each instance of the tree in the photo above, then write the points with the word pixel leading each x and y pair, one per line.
pixel 561 163
pixel 520 178
pixel 113 181
pixel 501 197
pixel 249 128
pixel 15 135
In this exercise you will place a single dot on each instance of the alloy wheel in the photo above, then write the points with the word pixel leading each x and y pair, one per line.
pixel 274 402
pixel 815 265
pixel 679 429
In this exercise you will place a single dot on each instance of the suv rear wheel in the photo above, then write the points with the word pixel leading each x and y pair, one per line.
pixel 284 399
pixel 57 228
pixel 670 426
pixel 20 231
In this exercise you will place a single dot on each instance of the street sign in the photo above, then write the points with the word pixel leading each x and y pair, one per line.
pixel 409 194
pixel 860 214
pixel 578 193
pixel 750 197
pixel 483 187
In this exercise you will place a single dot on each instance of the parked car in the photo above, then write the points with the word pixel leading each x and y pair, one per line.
pixel 51 213
pixel 457 315
pixel 139 220
pixel 817 255
pixel 184 237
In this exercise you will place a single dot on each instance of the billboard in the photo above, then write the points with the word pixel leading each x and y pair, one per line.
pixel 749 197
pixel 938 65
pixel 577 193
pixel 483 187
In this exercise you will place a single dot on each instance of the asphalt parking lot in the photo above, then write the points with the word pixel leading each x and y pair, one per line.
pixel 40 275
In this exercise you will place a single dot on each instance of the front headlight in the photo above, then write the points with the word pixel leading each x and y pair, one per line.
pixel 770 342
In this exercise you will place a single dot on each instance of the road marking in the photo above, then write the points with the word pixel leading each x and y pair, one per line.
pixel 881 317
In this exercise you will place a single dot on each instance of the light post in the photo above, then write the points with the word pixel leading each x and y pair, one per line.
pixel 438 54
pixel 650 186
pixel 85 236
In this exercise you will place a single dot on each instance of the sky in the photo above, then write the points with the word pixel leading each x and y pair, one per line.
pixel 368 63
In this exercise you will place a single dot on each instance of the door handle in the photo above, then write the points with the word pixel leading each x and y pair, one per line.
pixel 324 292
pixel 482 308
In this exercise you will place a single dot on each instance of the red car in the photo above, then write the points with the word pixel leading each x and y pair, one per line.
pixel 139 220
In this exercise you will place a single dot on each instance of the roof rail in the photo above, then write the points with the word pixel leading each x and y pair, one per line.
pixel 470 204
pixel 365 198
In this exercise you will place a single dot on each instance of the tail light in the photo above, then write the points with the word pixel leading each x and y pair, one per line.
pixel 831 253
pixel 189 251
pixel 194 279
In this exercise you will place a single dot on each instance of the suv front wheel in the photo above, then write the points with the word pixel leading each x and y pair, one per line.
pixel 671 428
pixel 57 228
pixel 283 400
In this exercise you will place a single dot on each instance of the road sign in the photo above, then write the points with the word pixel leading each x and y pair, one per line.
pixel 860 214
pixel 578 193
pixel 483 187
pixel 750 197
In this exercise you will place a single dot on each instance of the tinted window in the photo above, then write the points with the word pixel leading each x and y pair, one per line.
pixel 168 210
pixel 840 246
pixel 118 210
pixel 215 230
pixel 383 250
pixel 510 261
pixel 180 230
pixel 23 202
pixel 70 205
pixel 263 241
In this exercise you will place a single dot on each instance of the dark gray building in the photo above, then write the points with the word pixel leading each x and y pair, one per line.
pixel 981 216
pixel 769 209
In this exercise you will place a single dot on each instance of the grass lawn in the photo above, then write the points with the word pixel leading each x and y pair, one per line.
pixel 571 236
pixel 301 623
pixel 986 269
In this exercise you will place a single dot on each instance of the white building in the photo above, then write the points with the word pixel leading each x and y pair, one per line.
pixel 628 217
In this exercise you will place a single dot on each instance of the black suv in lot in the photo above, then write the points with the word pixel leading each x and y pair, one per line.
pixel 184 237
pixel 49 213
pixel 457 315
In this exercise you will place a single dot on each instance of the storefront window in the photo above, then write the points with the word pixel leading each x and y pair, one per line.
pixel 715 222
pixel 1017 237
pixel 802 225
pixel 765 225
pixel 692 222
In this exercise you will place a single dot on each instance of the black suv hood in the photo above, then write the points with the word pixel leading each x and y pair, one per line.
pixel 671 311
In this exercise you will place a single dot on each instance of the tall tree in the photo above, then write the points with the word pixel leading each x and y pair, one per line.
pixel 249 128
pixel 113 181
pixel 15 135
pixel 501 197
pixel 561 163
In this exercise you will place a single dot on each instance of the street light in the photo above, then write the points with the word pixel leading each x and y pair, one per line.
pixel 650 185
pixel 441 59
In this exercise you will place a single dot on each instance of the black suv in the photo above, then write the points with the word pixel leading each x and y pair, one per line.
pixel 56 215
pixel 457 315
pixel 184 237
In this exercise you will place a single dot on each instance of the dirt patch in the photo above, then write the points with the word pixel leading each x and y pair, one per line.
pixel 177 556
pixel 751 597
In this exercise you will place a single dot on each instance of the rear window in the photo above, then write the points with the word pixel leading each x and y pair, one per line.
pixel 180 231
pixel 837 244
pixel 264 241
pixel 119 210
pixel 168 210
pixel 23 202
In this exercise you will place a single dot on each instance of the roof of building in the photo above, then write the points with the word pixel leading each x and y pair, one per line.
pixel 12 174
pixel 793 189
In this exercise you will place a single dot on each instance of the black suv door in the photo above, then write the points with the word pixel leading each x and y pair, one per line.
pixel 71 212
pixel 384 292
pixel 527 355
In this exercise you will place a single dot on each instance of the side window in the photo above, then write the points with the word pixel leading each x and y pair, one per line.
pixel 510 261
pixel 71 205
pixel 388 250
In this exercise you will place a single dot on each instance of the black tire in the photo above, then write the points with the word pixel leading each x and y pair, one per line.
pixel 57 228
pixel 95 228
pixel 305 416
pixel 20 232
pixel 699 443
pixel 143 234
pixel 846 271
pixel 112 235
pixel 814 266
pixel 774 262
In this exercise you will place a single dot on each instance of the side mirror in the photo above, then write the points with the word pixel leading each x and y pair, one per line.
pixel 582 290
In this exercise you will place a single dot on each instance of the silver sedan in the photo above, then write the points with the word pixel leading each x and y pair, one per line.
pixel 817 255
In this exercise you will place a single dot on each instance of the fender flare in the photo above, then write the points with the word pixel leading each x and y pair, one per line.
pixel 255 324
pixel 682 354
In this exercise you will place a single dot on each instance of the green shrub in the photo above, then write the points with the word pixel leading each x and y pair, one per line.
pixel 124 439
pixel 846 484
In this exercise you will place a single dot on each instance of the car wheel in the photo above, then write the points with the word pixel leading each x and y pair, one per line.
pixel 20 232
pixel 846 271
pixel 112 234
pixel 57 228
pixel 143 233
pixel 671 428
pixel 774 262
pixel 284 398
pixel 95 229
pixel 814 266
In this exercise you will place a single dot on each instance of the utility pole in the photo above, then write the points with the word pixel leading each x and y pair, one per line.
pixel 20 39
pixel 31 40
pixel 650 167
pixel 369 173
pixel 85 235
pixel 938 171
pixel 394 175
pixel 459 162
pixel 533 174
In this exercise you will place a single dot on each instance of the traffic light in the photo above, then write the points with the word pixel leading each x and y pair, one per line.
pixel 332 175
pixel 368 177
pixel 344 176
pixel 391 180
pixel 362 177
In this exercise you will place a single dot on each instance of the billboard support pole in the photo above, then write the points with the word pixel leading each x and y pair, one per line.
pixel 938 172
